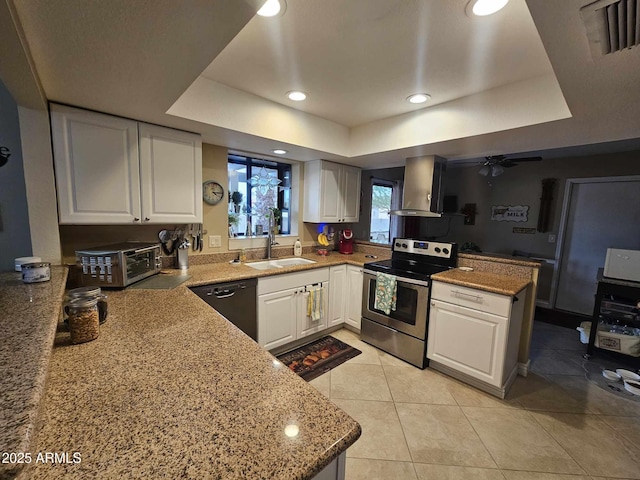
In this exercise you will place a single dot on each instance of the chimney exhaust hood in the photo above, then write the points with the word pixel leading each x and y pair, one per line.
pixel 423 191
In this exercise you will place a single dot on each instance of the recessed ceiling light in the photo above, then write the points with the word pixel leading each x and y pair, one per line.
pixel 418 98
pixel 296 95
pixel 279 151
pixel 271 8
pixel 483 8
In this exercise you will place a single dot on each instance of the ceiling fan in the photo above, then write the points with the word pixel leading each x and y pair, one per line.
pixel 495 164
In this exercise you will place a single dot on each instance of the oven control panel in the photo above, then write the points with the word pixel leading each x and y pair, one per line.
pixel 423 247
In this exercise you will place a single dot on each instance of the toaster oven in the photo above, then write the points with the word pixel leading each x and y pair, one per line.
pixel 118 265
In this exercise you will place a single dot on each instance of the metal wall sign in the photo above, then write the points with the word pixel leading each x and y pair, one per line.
pixel 510 213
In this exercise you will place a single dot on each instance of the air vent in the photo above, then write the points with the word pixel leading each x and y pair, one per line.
pixel 612 25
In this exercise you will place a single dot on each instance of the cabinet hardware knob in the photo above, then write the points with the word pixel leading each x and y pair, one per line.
pixel 136 219
pixel 146 219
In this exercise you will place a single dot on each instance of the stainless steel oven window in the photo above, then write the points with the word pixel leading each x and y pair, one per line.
pixel 411 311
pixel 406 303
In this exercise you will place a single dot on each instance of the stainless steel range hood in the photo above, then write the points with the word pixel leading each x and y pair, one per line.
pixel 423 187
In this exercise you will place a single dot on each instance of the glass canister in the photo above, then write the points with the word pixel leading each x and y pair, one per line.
pixel 84 320
pixel 91 292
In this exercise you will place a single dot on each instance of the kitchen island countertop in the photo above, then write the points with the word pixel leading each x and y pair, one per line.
pixel 171 389
pixel 490 282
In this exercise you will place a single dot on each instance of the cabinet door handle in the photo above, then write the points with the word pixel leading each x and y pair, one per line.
pixel 146 219
pixel 464 294
pixel 136 219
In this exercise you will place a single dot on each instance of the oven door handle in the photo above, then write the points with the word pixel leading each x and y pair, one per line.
pixel 420 283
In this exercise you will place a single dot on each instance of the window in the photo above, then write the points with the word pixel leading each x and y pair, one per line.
pixel 384 198
pixel 258 189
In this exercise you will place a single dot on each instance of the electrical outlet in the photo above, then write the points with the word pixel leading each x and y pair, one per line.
pixel 551 238
pixel 215 241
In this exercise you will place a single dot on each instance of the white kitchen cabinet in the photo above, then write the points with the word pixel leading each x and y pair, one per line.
pixel 474 336
pixel 278 318
pixel 353 306
pixel 332 192
pixel 112 170
pixel 97 166
pixel 345 305
pixel 282 307
pixel 171 175
pixel 339 292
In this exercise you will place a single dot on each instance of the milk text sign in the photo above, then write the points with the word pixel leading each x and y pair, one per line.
pixel 511 213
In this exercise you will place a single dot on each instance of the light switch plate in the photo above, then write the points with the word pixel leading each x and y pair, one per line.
pixel 215 241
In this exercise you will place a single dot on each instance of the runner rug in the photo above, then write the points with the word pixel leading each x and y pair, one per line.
pixel 312 360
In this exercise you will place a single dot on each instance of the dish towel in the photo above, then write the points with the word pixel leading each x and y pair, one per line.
pixel 386 291
pixel 315 303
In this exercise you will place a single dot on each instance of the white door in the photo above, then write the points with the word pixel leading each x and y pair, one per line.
pixel 354 299
pixel 330 199
pixel 171 175
pixel 338 294
pixel 97 167
pixel 350 194
pixel 306 324
pixel 470 341
pixel 277 318
pixel 600 213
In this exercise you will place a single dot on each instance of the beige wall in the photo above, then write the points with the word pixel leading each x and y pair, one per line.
pixel 214 217
pixel 40 184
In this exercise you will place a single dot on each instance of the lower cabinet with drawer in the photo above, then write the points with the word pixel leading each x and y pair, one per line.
pixel 474 336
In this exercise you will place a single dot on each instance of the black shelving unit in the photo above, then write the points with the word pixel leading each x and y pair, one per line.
pixel 615 303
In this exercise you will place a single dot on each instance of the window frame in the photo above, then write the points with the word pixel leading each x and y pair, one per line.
pixel 253 164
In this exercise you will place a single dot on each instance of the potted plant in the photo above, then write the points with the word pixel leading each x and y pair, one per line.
pixel 276 213
pixel 236 198
pixel 233 222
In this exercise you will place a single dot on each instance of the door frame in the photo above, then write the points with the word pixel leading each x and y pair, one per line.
pixel 568 190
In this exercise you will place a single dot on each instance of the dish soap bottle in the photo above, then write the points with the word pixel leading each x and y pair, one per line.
pixel 297 248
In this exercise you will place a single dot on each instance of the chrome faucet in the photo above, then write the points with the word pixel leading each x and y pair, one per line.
pixel 271 238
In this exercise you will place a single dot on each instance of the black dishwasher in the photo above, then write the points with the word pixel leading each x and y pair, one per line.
pixel 237 301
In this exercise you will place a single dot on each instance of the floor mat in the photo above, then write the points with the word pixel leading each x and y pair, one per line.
pixel 312 360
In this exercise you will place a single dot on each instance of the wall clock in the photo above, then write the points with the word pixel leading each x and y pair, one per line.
pixel 212 192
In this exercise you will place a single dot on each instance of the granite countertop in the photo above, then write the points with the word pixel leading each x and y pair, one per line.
pixel 28 317
pixel 501 258
pixel 490 282
pixel 224 272
pixel 171 389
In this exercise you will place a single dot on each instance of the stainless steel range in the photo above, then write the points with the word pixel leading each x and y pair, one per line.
pixel 403 331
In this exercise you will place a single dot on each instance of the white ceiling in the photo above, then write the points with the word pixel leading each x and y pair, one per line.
pixel 522 80
pixel 360 60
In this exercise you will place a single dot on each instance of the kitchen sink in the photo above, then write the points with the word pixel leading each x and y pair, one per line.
pixel 283 262
pixel 290 262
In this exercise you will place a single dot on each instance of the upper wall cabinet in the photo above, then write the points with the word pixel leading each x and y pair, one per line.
pixel 332 192
pixel 111 170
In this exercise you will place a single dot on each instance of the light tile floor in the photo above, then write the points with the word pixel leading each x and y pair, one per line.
pixel 420 424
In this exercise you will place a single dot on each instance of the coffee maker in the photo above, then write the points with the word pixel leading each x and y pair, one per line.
pixel 345 245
